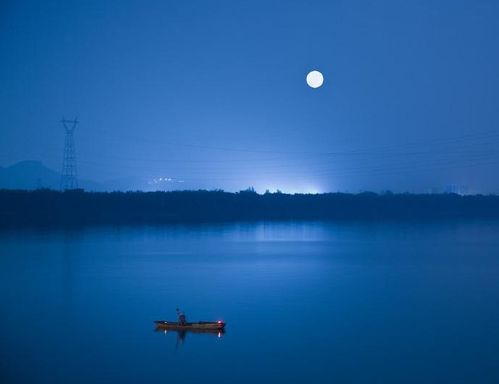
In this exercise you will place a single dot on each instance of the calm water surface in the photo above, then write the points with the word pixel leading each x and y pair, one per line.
pixel 303 302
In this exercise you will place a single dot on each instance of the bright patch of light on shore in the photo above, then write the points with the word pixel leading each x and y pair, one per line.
pixel 292 189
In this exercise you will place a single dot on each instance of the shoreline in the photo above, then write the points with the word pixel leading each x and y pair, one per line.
pixel 49 208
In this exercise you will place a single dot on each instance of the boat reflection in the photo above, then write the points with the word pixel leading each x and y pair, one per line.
pixel 182 333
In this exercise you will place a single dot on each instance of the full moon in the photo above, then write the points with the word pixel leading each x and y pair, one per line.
pixel 315 79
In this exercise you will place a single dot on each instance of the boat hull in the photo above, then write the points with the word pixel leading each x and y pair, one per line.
pixel 201 325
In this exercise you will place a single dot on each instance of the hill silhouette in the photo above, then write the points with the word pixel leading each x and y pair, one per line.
pixel 32 174
pixel 52 208
pixel 28 174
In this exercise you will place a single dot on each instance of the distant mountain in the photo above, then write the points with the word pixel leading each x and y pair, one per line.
pixel 32 174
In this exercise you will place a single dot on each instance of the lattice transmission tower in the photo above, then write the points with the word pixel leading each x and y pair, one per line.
pixel 69 178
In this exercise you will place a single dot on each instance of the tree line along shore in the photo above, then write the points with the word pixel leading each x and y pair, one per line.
pixel 77 207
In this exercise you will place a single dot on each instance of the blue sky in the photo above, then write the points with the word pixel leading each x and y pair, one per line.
pixel 213 93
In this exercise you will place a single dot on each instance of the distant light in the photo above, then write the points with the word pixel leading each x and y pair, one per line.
pixel 315 79
pixel 162 180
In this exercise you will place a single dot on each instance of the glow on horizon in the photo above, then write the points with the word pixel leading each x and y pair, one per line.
pixel 292 189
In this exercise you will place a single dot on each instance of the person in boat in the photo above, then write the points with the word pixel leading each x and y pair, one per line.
pixel 181 317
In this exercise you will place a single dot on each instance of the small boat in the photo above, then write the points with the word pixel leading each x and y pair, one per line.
pixel 181 332
pixel 200 325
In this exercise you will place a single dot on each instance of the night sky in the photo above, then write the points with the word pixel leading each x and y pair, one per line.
pixel 212 94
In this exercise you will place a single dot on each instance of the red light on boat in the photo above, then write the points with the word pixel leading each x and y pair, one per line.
pixel 219 321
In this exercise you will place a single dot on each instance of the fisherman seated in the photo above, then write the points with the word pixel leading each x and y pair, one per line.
pixel 181 317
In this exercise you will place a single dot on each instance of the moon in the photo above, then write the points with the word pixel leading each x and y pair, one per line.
pixel 315 79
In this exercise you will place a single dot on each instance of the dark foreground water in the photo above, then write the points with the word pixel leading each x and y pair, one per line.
pixel 313 302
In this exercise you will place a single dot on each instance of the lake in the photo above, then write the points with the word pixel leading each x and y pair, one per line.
pixel 303 302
